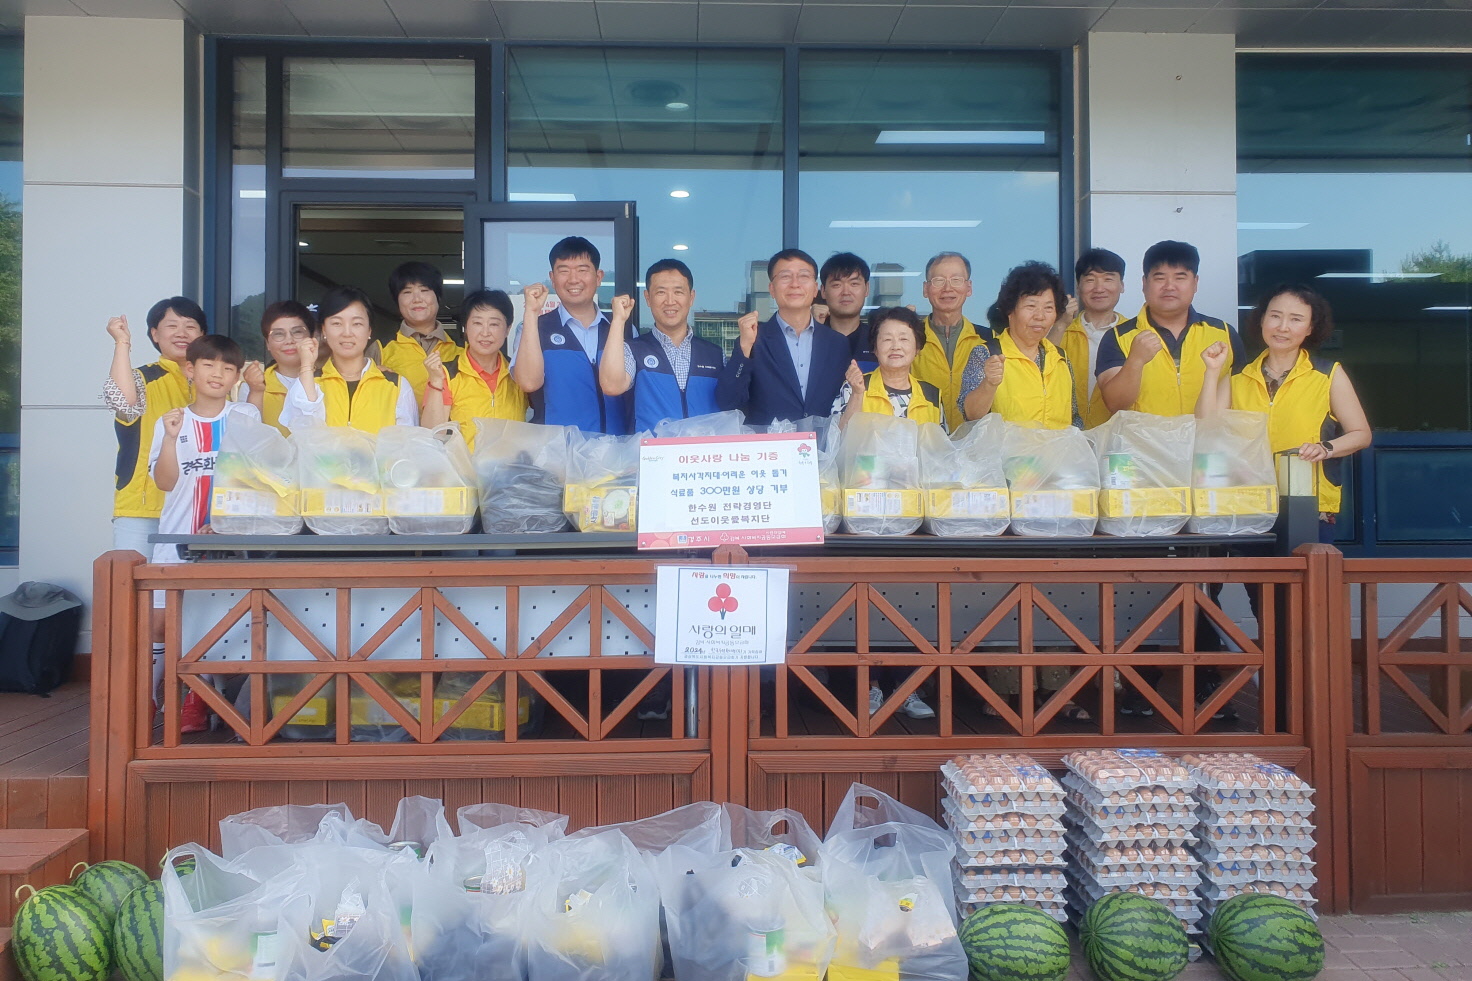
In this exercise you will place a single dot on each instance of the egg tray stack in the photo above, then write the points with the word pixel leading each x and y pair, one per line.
pixel 1131 821
pixel 1006 812
pixel 1256 833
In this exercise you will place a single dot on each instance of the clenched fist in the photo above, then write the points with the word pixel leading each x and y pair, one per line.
pixel 117 329
pixel 623 308
pixel 748 323
pixel 1215 356
pixel 1147 345
pixel 855 378
pixel 993 369
pixel 535 295
pixel 173 422
pixel 434 365
pixel 255 376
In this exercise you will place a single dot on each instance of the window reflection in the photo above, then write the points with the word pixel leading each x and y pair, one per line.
pixel 248 206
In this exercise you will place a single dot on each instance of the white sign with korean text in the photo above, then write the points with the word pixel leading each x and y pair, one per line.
pixel 720 615
pixel 759 489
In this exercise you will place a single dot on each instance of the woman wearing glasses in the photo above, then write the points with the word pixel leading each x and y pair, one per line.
pixel 284 325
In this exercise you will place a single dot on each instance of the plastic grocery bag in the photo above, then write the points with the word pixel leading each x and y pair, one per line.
pixel 478 817
pixel 783 831
pixel 728 423
pixel 965 490
pixel 342 920
pixel 220 921
pixel 741 914
pixel 602 482
pixel 282 824
pixel 522 469
pixel 879 462
pixel 1144 473
pixel 254 490
pixel 428 483
pixel 1234 488
pixel 592 911
pixel 1053 479
pixel 865 807
pixel 699 826
pixel 337 477
pixel 830 488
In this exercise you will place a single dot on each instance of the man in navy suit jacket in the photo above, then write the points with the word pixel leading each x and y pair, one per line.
pixel 790 366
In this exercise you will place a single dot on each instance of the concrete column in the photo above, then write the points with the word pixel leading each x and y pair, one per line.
pixel 106 200
pixel 1160 154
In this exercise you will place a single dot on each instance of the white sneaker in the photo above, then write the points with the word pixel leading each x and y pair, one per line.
pixel 916 708
pixel 876 699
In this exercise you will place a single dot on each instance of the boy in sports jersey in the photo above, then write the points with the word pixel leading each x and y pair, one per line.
pixel 181 461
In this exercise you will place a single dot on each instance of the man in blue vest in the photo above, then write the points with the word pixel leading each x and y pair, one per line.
pixel 673 373
pixel 791 366
pixel 557 358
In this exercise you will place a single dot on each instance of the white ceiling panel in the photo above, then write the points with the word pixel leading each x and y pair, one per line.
pixel 467 19
pixel 773 23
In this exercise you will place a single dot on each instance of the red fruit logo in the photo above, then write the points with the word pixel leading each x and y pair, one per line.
pixel 722 602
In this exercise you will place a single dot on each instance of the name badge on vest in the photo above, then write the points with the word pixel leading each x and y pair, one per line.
pixel 557 339
pixel 650 361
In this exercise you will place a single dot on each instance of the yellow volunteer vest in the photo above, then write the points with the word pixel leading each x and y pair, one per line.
pixel 1027 395
pixel 471 398
pixel 273 399
pixel 373 404
pixel 1299 413
pixel 1092 411
pixel 1166 388
pixel 932 368
pixel 405 356
pixel 922 405
pixel 135 495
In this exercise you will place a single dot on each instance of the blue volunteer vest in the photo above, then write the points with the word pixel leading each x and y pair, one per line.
pixel 570 394
pixel 657 395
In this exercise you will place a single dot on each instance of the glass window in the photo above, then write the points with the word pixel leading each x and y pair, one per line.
pixel 906 154
pixel 248 206
pixel 11 50
pixel 694 137
pixel 379 117
pixel 1355 175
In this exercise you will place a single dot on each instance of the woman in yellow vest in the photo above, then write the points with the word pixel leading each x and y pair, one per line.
pixel 478 383
pixel 284 326
pixel 1309 400
pixel 896 336
pixel 349 389
pixel 1020 374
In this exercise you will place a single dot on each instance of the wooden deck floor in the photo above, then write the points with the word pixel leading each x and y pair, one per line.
pixel 43 759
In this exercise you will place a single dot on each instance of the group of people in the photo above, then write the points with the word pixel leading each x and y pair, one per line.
pixel 1041 358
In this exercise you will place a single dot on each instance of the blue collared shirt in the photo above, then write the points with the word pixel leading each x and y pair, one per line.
pixel 800 346
pixel 587 336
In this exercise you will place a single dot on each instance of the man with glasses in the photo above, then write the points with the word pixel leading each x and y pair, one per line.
pixel 952 336
pixel 791 366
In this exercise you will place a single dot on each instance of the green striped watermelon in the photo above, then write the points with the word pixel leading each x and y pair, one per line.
pixel 1265 938
pixel 138 934
pixel 109 883
pixel 60 936
pixel 1011 942
pixel 1130 937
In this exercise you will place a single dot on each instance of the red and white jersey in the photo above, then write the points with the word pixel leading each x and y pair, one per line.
pixel 187 506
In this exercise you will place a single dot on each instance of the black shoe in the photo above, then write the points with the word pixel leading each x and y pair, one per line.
pixel 1133 703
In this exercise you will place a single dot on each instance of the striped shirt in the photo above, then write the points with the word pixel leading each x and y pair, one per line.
pixel 187 506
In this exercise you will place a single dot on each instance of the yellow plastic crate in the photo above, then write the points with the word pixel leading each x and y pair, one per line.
pixel 1146 502
pixel 830 499
pixel 319 502
pixel 972 502
pixel 863 503
pixel 1222 501
pixel 428 502
pixel 244 502
pixel 589 505
pixel 794 972
pixel 1056 504
pixel 315 713
pixel 483 714
pixel 887 970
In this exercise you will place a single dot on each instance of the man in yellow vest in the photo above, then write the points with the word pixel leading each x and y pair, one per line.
pixel 952 337
pixel 1099 279
pixel 1153 362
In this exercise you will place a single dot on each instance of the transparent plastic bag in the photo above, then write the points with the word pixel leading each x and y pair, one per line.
pixel 1053 479
pixel 728 423
pixel 965 491
pixel 220 920
pixel 783 831
pixel 522 472
pixel 830 487
pixel 699 826
pixel 337 477
pixel 1234 486
pixel 888 890
pixel 428 482
pixel 602 482
pixel 254 490
pixel 592 911
pixel 479 817
pixel 879 462
pixel 743 913
pixel 1144 473
pixel 864 807
pixel 282 824
pixel 343 921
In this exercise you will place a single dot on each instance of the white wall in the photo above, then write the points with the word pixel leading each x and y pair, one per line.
pixel 1160 155
pixel 104 234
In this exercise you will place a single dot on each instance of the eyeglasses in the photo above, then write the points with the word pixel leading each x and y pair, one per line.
pixel 296 334
pixel 959 282
pixel 801 278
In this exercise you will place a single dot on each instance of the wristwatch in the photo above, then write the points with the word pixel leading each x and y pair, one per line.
pixel 1328 446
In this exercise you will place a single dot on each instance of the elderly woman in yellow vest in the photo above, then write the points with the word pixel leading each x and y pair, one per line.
pixel 1309 400
pixel 349 389
pixel 896 336
pixel 1020 374
pixel 284 325
pixel 478 383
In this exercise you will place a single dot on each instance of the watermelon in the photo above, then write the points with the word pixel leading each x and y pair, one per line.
pixel 1130 937
pixel 109 883
pixel 1265 938
pixel 138 934
pixel 1011 942
pixel 60 936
